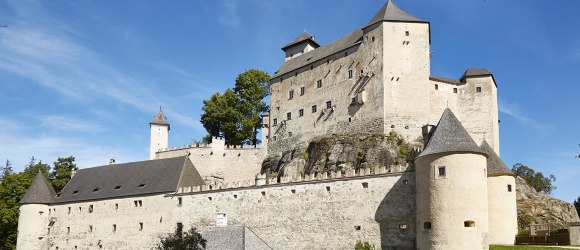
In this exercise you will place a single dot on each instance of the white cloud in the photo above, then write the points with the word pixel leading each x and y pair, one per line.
pixel 229 16
pixel 65 123
pixel 513 110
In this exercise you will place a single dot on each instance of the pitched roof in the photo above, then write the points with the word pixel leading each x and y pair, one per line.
pixel 392 12
pixel 39 192
pixel 159 118
pixel 445 80
pixel 320 53
pixel 495 166
pixel 301 38
pixel 130 179
pixel 450 136
pixel 232 237
pixel 475 72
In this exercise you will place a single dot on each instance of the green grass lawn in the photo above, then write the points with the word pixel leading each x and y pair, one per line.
pixel 523 248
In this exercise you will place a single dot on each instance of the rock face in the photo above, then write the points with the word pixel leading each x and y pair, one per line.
pixel 342 152
pixel 534 207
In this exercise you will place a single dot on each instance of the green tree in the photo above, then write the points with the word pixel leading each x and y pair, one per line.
pixel 252 87
pixel 537 180
pixel 235 114
pixel 33 168
pixel 6 169
pixel 577 205
pixel 363 246
pixel 190 240
pixel 62 172
pixel 12 189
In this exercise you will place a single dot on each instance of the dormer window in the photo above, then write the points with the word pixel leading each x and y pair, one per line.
pixel 142 185
pixel 75 192
pixel 95 190
pixel 117 187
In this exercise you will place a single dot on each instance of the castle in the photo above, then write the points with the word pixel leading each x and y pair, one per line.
pixel 457 194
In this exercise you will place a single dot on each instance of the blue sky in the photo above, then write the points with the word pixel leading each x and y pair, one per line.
pixel 84 78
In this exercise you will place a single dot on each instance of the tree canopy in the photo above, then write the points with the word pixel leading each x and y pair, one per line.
pixel 577 205
pixel 235 114
pixel 537 180
pixel 190 240
pixel 13 186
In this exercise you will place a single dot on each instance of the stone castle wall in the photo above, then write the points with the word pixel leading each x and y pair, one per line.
pixel 322 212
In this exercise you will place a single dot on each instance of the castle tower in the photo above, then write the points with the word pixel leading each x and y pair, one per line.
pixel 159 134
pixel 478 106
pixel 34 218
pixel 451 179
pixel 402 42
pixel 304 43
pixel 501 191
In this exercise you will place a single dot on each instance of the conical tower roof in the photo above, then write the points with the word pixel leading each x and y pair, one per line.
pixel 495 166
pixel 159 118
pixel 450 136
pixel 392 12
pixel 39 192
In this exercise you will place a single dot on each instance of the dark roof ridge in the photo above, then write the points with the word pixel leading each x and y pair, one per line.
pixel 445 80
pixel 39 192
pixel 450 136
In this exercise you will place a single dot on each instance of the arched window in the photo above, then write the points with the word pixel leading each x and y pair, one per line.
pixel 469 223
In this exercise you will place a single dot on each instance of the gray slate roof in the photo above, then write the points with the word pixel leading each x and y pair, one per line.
pixel 232 237
pixel 445 80
pixel 392 12
pixel 450 136
pixel 39 192
pixel 320 53
pixel 159 176
pixel 475 72
pixel 495 166
pixel 159 119
pixel 302 37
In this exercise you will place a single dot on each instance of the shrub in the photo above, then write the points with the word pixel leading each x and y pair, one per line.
pixel 363 246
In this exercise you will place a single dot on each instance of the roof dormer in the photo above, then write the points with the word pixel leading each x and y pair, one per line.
pixel 304 43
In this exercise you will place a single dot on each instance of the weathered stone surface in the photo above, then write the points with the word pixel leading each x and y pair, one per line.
pixel 534 207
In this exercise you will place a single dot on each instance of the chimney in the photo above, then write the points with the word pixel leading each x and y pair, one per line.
pixel 427 133
pixel 111 161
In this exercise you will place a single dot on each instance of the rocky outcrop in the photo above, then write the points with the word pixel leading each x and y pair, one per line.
pixel 534 207
pixel 341 153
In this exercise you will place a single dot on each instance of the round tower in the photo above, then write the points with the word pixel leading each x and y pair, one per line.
pixel 501 193
pixel 34 215
pixel 452 209
pixel 159 134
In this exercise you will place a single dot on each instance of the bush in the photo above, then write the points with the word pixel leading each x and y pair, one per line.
pixel 190 240
pixel 363 246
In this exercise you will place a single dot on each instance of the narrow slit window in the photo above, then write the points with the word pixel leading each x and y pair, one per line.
pixel 289 116
pixel 114 228
pixel 291 95
pixel 301 112
pixel 436 86
pixel 319 84
pixel 140 226
pixel 302 90
pixel 509 187
pixel 90 208
pixel 179 201
pixel 441 172
pixel 313 108
pixel 350 74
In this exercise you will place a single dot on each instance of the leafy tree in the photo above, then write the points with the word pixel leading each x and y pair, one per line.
pixel 12 189
pixel 577 205
pixel 537 180
pixel 190 240
pixel 235 114
pixel 62 172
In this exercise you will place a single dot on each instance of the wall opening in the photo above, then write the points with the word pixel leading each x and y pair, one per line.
pixel 90 228
pixel 114 228
pixel 365 185
pixel 263 193
pixel 327 188
pixel 509 188
pixel 293 191
pixel 140 226
pixel 441 172
pixel 117 206
pixel 469 223
pixel 427 225
pixel 235 196
pixel 90 208
pixel 357 228
pixel 179 201
pixel 209 198
pixel 405 182
pixel 478 89
pixel 68 230
pixel 179 228
pixel 403 226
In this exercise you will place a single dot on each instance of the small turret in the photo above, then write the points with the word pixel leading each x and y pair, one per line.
pixel 452 209
pixel 501 192
pixel 33 222
pixel 302 44
pixel 159 133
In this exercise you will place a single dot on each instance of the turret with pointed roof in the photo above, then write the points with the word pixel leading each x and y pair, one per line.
pixel 160 119
pixel 39 192
pixel 450 136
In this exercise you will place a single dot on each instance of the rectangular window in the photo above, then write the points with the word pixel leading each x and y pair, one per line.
pixel 90 208
pixel 68 210
pixel 373 39
pixel 454 90
pixel 319 84
pixel 289 134
pixel 407 33
pixel 179 230
pixel 140 226
pixel 117 206
pixel 478 89
pixel 179 201
pixel 302 90
pixel 509 188
pixel 436 86
pixel 90 228
pixel 114 228
pixel 427 225
pixel 313 108
pixel 329 104
pixel 350 74
pixel 275 121
pixel 289 116
pixel 301 112
pixel 441 172
pixel 68 230
pixel 290 94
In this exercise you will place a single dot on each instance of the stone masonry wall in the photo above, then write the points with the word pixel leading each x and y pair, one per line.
pixel 317 213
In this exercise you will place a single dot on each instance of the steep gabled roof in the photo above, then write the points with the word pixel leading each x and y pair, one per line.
pixel 450 136
pixel 301 38
pixel 130 179
pixel 39 192
pixel 159 119
pixel 495 166
pixel 320 53
pixel 392 12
